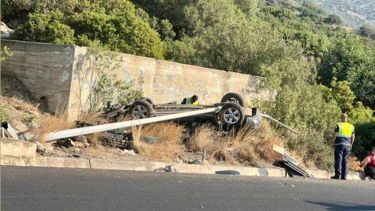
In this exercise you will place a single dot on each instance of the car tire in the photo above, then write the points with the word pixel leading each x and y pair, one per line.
pixel 231 116
pixel 140 110
pixel 233 98
pixel 149 101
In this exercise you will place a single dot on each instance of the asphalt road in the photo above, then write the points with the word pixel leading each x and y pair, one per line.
pixel 42 189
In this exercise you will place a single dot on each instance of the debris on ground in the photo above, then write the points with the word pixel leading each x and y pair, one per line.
pixel 228 172
pixel 170 168
pixel 9 131
pixel 40 148
pixel 129 152
pixel 284 160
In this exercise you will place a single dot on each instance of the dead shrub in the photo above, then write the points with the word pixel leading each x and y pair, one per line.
pixel 203 138
pixel 52 124
pixel 169 142
pixel 91 118
pixel 264 149
pixel 94 139
pixel 354 164
pixel 248 156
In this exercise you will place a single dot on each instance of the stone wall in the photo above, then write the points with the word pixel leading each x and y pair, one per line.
pixel 52 71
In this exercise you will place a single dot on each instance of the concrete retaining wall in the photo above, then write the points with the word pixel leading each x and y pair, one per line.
pixel 45 69
pixel 54 71
pixel 17 148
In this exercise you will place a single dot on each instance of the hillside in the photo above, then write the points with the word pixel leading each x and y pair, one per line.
pixel 354 13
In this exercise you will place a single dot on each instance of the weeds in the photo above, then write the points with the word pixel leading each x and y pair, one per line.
pixel 246 147
pixel 168 145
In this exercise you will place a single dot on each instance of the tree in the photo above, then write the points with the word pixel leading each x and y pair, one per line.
pixel 340 93
pixel 121 31
pixel 351 58
pixel 333 19
pixel 367 31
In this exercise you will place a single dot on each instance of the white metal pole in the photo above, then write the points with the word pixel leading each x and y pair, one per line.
pixel 284 125
pixel 113 126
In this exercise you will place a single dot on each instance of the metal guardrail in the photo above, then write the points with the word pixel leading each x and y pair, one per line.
pixel 113 126
pixel 282 124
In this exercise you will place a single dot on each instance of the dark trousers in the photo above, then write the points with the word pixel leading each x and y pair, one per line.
pixel 370 171
pixel 341 160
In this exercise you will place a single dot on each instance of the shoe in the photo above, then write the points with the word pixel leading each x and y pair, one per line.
pixel 335 177
pixel 343 178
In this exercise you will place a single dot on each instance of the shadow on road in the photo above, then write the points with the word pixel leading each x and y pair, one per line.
pixel 340 207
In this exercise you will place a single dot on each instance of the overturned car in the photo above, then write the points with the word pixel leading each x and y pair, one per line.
pixel 232 114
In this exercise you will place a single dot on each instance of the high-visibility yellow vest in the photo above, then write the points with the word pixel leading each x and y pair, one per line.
pixel 188 102
pixel 345 132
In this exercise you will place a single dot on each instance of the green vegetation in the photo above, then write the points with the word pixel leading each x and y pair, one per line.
pixel 318 68
pixel 353 12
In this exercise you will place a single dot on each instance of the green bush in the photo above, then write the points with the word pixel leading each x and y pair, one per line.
pixel 46 28
pixel 119 31
pixel 3 115
pixel 365 139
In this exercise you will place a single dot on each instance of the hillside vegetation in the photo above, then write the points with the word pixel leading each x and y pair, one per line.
pixel 354 13
pixel 318 68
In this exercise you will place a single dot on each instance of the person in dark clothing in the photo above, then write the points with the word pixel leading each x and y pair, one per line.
pixel 342 142
pixel 368 164
pixel 191 100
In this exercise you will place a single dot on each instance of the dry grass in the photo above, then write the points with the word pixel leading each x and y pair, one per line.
pixel 52 124
pixel 354 164
pixel 203 138
pixel 20 110
pixel 91 118
pixel 168 146
pixel 247 147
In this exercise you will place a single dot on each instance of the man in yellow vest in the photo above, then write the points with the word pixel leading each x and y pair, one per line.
pixel 191 100
pixel 342 140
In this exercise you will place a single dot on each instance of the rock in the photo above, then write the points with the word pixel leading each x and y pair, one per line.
pixel 130 152
pixel 149 139
pixel 170 168
pixel 19 126
pixel 40 148
pixel 78 150
pixel 161 169
pixel 197 161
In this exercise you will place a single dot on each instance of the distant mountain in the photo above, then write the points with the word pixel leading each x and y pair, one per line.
pixel 354 13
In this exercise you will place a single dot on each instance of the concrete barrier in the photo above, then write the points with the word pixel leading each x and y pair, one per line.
pixel 17 148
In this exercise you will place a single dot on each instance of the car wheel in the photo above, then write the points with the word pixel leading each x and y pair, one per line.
pixel 233 98
pixel 149 101
pixel 141 109
pixel 231 116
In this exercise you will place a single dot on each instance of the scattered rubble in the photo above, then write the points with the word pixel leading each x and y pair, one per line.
pixel 290 164
pixel 170 168
pixel 129 152
pixel 40 148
